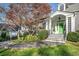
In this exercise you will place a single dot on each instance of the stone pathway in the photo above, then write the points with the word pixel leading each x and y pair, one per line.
pixel 5 44
pixel 52 40
pixel 18 46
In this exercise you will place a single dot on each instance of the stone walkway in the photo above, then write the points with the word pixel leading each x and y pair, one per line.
pixel 4 44
pixel 52 40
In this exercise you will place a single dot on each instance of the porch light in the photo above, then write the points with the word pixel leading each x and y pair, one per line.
pixel 59 19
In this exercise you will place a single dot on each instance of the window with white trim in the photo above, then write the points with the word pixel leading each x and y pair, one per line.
pixel 69 24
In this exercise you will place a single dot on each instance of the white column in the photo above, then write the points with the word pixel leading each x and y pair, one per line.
pixel 73 24
pixel 47 25
pixel 50 25
pixel 66 25
pixel 64 6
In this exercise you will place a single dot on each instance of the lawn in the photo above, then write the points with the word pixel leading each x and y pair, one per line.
pixel 69 49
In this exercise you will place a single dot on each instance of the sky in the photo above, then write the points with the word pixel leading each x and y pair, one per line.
pixel 54 6
pixel 5 5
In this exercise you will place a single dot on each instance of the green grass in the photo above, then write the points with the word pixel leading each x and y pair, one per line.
pixel 69 49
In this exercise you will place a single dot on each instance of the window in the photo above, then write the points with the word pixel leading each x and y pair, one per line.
pixel 69 24
pixel 62 7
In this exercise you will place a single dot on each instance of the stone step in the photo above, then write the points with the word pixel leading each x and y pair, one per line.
pixel 50 43
pixel 55 38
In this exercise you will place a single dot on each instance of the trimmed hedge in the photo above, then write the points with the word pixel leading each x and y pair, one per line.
pixel 43 34
pixel 73 36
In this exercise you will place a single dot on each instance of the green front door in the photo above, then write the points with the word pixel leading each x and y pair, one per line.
pixel 59 28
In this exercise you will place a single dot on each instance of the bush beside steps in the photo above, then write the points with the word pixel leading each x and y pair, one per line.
pixel 73 36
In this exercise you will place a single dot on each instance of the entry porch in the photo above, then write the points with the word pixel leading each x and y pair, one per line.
pixel 60 23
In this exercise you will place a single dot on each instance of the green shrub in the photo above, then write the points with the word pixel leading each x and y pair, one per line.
pixel 73 36
pixel 25 39
pixel 43 34
pixel 77 31
pixel 1 39
pixel 18 41
pixel 31 38
pixel 4 35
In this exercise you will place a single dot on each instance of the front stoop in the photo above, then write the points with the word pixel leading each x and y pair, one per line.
pixel 54 39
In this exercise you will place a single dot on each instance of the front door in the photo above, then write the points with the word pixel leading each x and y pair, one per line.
pixel 59 28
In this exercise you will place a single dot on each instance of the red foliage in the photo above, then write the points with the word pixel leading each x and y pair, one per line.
pixel 28 14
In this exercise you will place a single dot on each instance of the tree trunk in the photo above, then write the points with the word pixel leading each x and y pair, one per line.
pixel 18 35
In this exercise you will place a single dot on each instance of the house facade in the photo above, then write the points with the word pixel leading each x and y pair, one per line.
pixel 64 20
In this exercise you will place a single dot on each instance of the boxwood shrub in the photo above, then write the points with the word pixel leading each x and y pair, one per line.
pixel 4 35
pixel 43 34
pixel 73 36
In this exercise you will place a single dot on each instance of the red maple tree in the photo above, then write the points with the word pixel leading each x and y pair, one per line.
pixel 28 14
